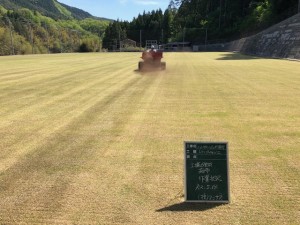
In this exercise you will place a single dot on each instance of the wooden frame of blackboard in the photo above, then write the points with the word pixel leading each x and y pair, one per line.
pixel 185 172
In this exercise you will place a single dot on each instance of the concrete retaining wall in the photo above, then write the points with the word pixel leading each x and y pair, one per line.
pixel 279 41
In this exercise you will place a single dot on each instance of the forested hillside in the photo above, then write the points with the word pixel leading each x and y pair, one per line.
pixel 46 26
pixel 50 8
pixel 200 21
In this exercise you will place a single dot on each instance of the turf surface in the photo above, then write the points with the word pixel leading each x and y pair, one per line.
pixel 87 139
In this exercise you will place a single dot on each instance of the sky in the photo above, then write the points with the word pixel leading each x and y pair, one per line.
pixel 117 9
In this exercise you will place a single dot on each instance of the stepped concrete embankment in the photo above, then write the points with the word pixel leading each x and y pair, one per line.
pixel 279 41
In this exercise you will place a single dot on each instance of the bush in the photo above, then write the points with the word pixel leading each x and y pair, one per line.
pixel 84 48
pixel 132 49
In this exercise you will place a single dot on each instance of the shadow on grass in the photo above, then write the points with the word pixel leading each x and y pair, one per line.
pixel 190 206
pixel 149 71
pixel 236 56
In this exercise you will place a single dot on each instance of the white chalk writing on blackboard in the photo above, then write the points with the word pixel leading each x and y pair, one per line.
pixel 202 164
pixel 208 197
pixel 210 178
pixel 206 187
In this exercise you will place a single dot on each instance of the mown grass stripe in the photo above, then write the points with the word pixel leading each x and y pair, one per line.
pixel 106 147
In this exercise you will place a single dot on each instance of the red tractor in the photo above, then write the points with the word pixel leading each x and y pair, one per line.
pixel 152 60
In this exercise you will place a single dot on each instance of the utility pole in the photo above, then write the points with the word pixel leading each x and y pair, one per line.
pixel 119 40
pixel 141 37
pixel 12 49
pixel 220 14
pixel 60 39
pixel 299 6
pixel 162 35
pixel 225 9
pixel 205 37
pixel 31 38
pixel 48 43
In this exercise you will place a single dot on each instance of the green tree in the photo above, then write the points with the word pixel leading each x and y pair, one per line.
pixel 113 35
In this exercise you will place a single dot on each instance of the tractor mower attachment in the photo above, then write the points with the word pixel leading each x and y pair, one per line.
pixel 152 60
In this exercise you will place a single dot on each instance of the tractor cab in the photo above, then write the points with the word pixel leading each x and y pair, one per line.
pixel 152 60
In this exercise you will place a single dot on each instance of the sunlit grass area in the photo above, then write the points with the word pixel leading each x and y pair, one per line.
pixel 87 139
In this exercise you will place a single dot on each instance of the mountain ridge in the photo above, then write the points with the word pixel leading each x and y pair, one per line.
pixel 50 8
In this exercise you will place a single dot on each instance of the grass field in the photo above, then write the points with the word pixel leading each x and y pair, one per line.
pixel 86 139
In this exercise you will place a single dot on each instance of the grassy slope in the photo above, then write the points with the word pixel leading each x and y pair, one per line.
pixel 85 139
pixel 62 10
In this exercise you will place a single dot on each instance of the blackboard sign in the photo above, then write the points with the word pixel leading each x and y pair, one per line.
pixel 206 172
